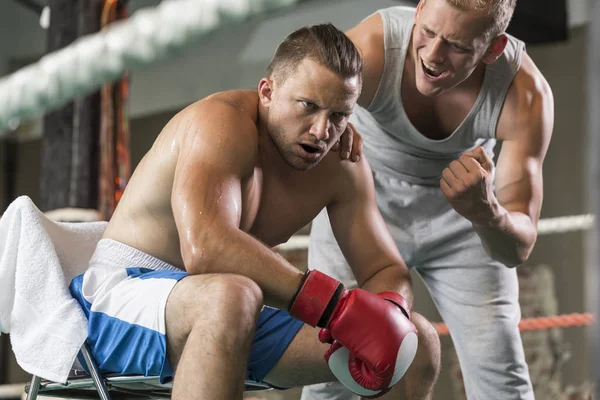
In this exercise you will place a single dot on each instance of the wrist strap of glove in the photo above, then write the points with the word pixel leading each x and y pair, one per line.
pixel 398 300
pixel 316 298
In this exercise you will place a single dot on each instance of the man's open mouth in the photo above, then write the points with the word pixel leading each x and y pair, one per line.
pixel 432 71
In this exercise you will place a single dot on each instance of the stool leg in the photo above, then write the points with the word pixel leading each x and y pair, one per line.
pixel 95 373
pixel 34 387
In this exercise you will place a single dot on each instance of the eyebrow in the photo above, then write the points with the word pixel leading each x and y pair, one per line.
pixel 345 110
pixel 304 97
pixel 453 42
pixel 460 44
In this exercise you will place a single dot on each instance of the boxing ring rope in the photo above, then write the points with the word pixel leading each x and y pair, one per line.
pixel 540 323
pixel 565 224
pixel 546 226
pixel 149 36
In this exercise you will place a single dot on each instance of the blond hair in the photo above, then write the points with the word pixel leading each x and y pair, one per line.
pixel 499 13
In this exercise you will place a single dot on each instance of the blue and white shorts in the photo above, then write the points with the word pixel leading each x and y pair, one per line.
pixel 124 295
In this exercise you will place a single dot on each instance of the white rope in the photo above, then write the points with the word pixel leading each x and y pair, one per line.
pixel 150 35
pixel 565 224
pixel 12 391
pixel 72 214
pixel 546 226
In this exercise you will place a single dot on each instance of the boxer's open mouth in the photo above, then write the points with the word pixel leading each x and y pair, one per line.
pixel 309 148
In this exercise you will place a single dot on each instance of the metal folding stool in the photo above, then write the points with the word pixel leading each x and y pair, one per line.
pixel 113 386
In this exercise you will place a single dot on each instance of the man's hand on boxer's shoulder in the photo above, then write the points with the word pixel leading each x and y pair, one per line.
pixel 350 144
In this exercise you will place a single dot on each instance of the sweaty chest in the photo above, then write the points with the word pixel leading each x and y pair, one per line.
pixel 437 117
pixel 274 208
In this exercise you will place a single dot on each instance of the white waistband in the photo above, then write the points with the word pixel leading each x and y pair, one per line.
pixel 110 253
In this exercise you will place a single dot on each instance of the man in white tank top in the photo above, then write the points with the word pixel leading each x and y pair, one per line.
pixel 441 84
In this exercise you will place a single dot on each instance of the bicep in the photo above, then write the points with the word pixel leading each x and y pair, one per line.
pixel 206 194
pixel 359 228
pixel 519 177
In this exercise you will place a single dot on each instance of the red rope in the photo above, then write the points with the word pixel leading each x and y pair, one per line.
pixel 541 323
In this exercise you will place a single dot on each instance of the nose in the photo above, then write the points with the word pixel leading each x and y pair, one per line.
pixel 436 51
pixel 320 127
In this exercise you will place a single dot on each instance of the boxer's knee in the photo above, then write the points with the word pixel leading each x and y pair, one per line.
pixel 424 370
pixel 235 300
pixel 218 302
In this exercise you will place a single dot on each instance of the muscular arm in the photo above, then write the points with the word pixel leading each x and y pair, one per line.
pixel 207 202
pixel 525 128
pixel 363 235
pixel 367 36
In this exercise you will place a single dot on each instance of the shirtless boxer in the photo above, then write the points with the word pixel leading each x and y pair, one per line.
pixel 185 264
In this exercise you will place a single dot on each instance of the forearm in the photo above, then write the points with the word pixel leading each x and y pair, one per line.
pixel 507 237
pixel 393 278
pixel 239 253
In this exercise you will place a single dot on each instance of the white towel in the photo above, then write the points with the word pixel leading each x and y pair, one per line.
pixel 38 260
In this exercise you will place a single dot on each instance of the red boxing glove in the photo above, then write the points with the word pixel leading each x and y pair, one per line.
pixel 373 340
pixel 316 298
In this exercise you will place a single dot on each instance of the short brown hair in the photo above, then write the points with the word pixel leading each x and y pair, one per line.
pixel 499 13
pixel 323 43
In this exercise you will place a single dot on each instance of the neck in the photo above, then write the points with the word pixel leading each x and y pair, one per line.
pixel 476 78
pixel 268 154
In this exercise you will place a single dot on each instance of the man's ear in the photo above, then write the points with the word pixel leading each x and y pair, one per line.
pixel 418 10
pixel 265 91
pixel 495 49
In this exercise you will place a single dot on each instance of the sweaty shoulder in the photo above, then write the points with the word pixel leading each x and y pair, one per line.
pixel 529 99
pixel 344 179
pixel 368 37
pixel 221 127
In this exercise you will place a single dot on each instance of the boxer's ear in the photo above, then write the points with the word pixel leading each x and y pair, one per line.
pixel 265 91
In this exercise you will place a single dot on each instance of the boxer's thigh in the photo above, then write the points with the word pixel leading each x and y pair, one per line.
pixel 126 314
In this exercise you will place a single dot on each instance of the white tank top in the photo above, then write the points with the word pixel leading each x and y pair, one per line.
pixel 393 145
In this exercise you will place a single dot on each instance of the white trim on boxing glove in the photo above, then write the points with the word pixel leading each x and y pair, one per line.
pixel 340 359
